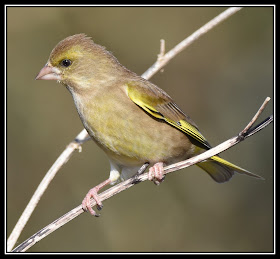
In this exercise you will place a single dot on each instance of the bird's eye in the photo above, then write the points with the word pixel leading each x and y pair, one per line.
pixel 66 62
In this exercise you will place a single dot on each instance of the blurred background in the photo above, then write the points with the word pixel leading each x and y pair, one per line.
pixel 220 81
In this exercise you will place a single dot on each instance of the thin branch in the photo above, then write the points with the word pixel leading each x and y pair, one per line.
pixel 83 136
pixel 256 115
pixel 61 160
pixel 141 178
pixel 259 127
pixel 188 41
pixel 162 50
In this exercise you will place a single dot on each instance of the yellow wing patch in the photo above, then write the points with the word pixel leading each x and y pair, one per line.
pixel 189 129
pixel 182 125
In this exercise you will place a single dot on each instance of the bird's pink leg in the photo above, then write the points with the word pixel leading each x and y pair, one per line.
pixel 156 173
pixel 92 193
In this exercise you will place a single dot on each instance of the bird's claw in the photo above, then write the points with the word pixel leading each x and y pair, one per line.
pixel 156 173
pixel 86 202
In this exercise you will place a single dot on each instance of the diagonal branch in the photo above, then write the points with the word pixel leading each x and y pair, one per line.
pixel 164 59
pixel 83 136
pixel 143 177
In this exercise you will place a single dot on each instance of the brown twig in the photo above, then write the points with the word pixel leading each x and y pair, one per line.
pixel 60 161
pixel 162 60
pixel 143 177
pixel 256 116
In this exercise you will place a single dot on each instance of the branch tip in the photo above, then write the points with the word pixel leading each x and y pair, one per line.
pixel 162 50
pixel 244 132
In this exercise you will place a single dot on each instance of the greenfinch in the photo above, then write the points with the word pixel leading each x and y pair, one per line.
pixel 130 118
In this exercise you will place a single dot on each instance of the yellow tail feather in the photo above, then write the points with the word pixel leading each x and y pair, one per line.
pixel 221 170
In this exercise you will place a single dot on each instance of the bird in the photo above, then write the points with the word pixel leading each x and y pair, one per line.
pixel 131 119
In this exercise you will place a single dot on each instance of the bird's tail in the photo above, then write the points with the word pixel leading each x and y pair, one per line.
pixel 221 170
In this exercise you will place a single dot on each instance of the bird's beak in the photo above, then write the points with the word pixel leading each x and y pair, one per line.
pixel 48 72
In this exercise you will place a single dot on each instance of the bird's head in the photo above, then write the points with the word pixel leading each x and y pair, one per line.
pixel 79 63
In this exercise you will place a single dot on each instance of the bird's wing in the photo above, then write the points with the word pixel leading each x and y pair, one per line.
pixel 160 105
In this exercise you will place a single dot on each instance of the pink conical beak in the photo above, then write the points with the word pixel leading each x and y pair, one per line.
pixel 48 72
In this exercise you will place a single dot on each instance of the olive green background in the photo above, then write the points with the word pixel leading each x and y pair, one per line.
pixel 220 81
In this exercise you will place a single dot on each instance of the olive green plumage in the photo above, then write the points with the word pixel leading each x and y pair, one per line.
pixel 130 118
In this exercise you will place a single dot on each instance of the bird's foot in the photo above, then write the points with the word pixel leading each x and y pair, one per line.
pixel 156 173
pixel 92 193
